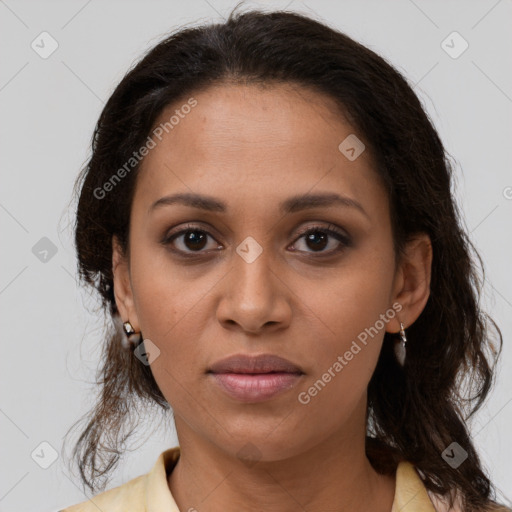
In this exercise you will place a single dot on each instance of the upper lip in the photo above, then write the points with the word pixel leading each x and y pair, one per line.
pixel 264 363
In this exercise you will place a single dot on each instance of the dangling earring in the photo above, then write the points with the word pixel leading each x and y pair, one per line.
pixel 400 350
pixel 132 338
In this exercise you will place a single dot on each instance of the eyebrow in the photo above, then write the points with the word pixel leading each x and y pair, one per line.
pixel 291 205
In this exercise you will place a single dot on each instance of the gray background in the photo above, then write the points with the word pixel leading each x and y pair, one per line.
pixel 50 331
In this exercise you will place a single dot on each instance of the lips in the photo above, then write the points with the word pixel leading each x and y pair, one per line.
pixel 245 364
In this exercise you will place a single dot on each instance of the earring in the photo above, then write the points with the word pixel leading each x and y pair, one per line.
pixel 132 338
pixel 400 351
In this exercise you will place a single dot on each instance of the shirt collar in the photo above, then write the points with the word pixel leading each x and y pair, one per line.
pixel 158 494
pixel 410 493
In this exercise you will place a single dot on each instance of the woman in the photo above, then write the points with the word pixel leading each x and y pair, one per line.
pixel 267 216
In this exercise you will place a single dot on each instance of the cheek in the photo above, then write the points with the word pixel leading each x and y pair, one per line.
pixel 175 312
pixel 349 314
pixel 353 297
pixel 166 294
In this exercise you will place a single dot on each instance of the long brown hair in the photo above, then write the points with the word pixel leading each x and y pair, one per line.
pixel 415 411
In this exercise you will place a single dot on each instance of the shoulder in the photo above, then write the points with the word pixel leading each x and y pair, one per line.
pixel 412 495
pixel 127 497
pixel 441 505
pixel 149 491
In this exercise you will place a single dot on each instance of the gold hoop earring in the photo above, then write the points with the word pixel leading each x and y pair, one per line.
pixel 400 350
pixel 131 338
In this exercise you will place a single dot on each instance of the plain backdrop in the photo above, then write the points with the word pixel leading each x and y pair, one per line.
pixel 50 333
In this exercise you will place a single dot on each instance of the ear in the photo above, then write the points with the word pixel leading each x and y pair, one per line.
pixel 122 285
pixel 411 288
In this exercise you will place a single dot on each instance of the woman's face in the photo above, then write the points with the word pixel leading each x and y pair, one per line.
pixel 246 280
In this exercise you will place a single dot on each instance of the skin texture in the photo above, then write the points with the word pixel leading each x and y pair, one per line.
pixel 253 147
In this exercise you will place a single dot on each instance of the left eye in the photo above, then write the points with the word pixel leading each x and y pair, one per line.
pixel 318 238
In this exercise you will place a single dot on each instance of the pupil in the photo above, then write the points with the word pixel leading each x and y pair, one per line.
pixel 196 241
pixel 317 245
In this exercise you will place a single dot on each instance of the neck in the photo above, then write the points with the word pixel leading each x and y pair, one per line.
pixel 335 474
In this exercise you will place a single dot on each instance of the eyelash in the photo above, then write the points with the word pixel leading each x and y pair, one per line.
pixel 344 240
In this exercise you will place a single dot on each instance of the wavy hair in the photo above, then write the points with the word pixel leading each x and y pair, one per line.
pixel 414 412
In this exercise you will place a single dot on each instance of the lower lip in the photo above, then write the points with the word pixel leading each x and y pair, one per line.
pixel 256 387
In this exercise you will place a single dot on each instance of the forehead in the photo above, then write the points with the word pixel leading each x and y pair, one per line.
pixel 242 141
pixel 230 118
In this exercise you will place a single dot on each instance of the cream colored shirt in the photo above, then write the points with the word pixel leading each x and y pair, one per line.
pixel 150 492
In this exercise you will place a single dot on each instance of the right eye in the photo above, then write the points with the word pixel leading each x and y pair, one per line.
pixel 191 239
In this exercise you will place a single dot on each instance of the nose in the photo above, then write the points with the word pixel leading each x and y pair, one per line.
pixel 254 297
